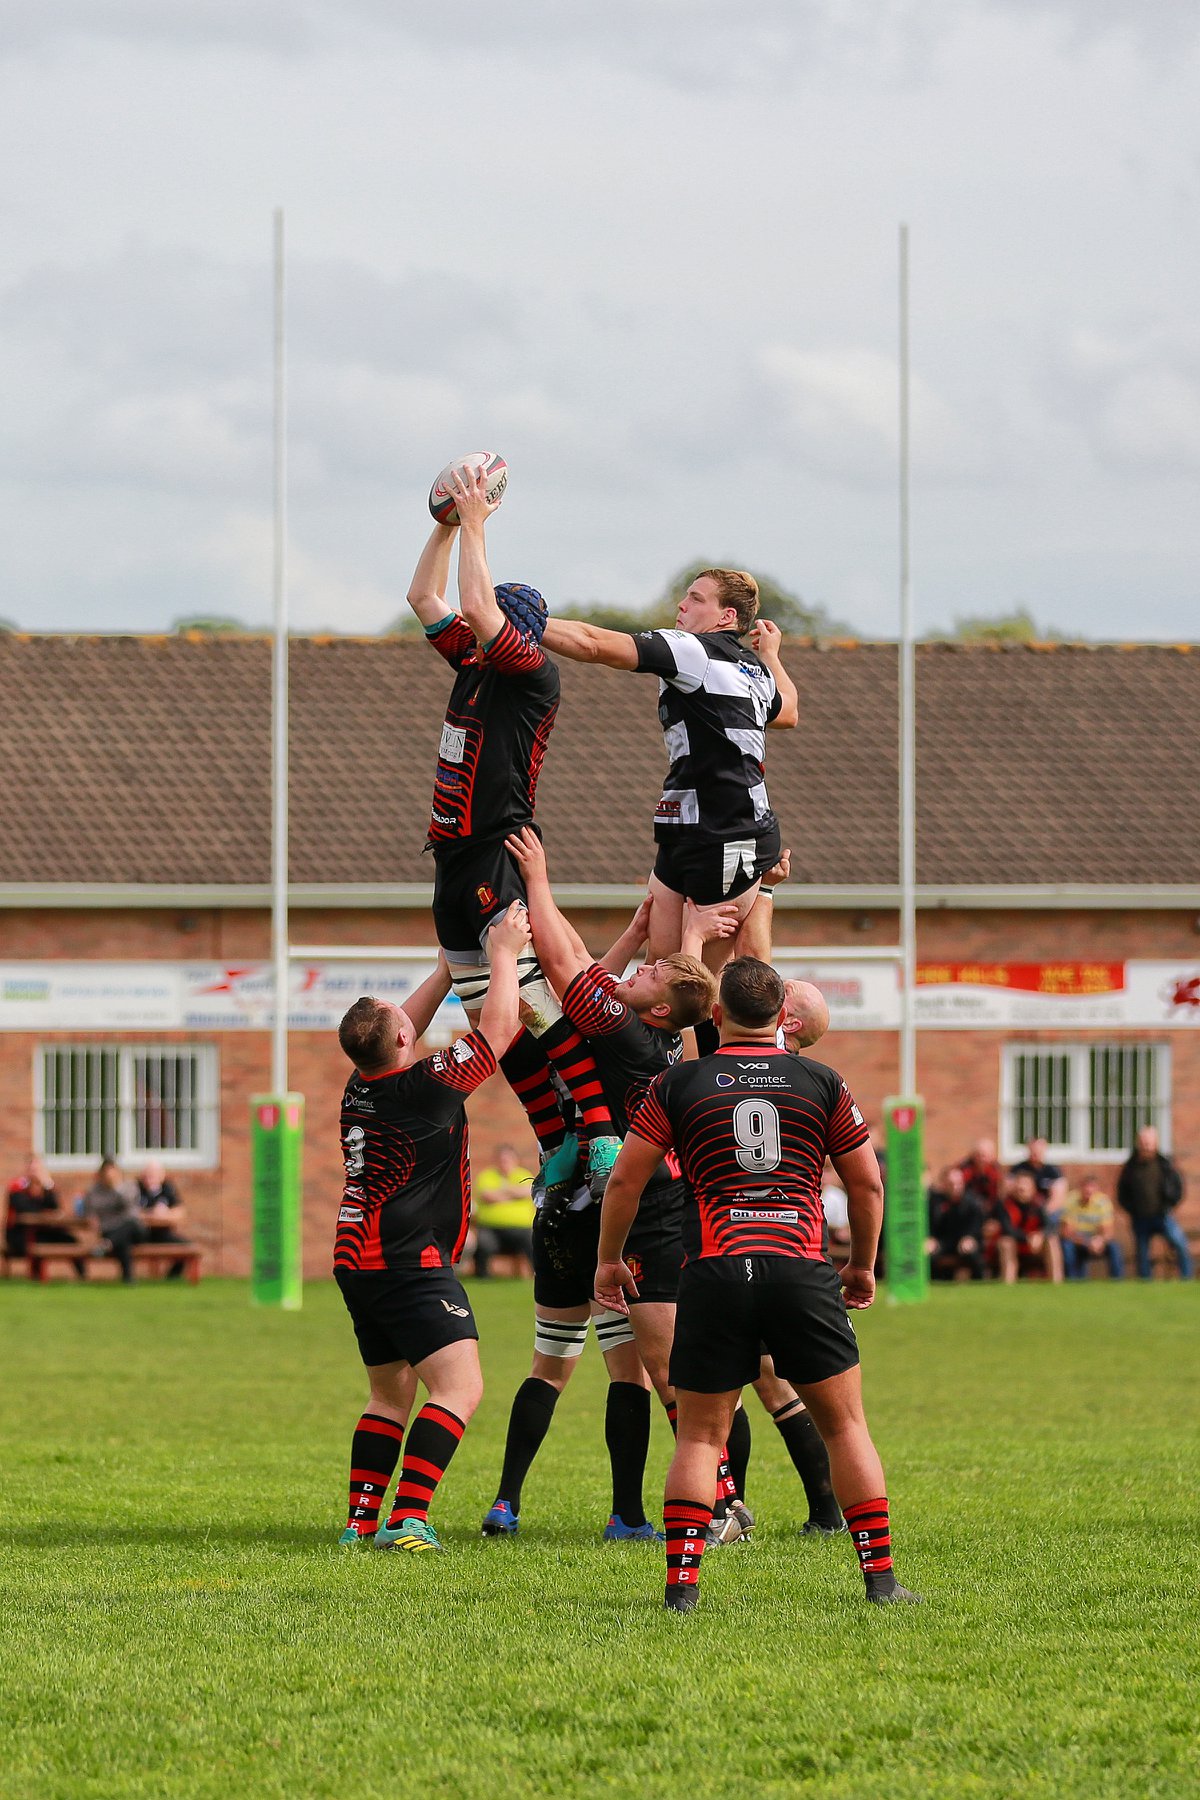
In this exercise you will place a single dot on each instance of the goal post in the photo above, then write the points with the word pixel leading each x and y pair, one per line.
pixel 277 1131
pixel 905 1226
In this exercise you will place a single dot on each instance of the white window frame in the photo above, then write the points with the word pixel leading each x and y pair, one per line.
pixel 1079 1052
pixel 206 1155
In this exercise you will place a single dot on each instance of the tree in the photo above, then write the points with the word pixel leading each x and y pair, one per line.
pixel 1017 627
pixel 213 623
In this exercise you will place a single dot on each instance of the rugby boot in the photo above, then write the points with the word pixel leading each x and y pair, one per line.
pixel 602 1154
pixel 731 1527
pixel 356 1540
pixel 500 1521
pixel 618 1532
pixel 415 1535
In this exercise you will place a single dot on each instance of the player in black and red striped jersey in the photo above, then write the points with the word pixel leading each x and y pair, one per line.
pixel 401 1227
pixel 632 1028
pixel 752 1126
pixel 498 722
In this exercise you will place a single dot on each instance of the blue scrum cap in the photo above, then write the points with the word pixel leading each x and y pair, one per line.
pixel 523 607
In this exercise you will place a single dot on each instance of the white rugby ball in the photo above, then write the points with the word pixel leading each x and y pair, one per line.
pixel 441 499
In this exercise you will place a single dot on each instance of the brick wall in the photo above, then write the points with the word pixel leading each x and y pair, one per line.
pixel 959 1072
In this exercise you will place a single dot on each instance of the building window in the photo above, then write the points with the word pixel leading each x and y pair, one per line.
pixel 130 1101
pixel 1087 1100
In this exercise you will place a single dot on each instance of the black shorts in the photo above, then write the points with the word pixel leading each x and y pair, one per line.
pixel 564 1257
pixel 733 1309
pixel 654 1250
pixel 473 882
pixel 706 870
pixel 404 1315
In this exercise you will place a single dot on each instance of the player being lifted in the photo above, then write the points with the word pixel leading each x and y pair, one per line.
pixel 632 1028
pixel 752 1126
pixel 498 722
pixel 714 827
pixel 401 1226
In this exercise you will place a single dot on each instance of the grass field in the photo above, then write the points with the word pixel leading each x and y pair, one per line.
pixel 177 1621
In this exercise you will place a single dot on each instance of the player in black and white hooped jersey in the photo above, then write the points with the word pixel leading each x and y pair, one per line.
pixel 718 696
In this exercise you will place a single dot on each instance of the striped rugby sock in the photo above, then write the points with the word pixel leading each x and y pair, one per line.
pixel 685 1523
pixel 528 1075
pixel 872 1536
pixel 433 1437
pixel 577 1071
pixel 374 1453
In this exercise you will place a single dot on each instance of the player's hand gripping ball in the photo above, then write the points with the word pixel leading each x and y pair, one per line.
pixel 441 499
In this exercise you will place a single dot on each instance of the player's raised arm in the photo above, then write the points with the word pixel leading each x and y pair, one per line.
pixel 499 1020
pixel 476 595
pixel 633 1168
pixel 580 642
pixel 858 1172
pixel 431 577
pixel 426 999
pixel 559 948
pixel 766 640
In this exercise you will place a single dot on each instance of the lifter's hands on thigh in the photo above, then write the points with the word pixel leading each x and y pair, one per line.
pixel 612 1281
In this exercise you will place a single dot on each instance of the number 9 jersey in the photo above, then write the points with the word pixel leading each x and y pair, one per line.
pixel 752 1126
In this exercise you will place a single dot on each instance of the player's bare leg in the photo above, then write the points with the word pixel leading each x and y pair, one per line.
pixel 858 1481
pixel 704 1421
pixel 665 930
pixel 375 1449
pixel 805 1446
pixel 454 1383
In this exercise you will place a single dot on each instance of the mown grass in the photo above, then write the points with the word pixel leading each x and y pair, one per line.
pixel 176 1620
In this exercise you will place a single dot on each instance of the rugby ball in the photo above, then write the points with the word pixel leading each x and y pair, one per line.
pixel 441 499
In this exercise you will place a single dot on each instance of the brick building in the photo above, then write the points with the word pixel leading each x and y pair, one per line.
pixel 1059 896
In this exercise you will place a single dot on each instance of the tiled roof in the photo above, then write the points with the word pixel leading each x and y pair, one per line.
pixel 132 759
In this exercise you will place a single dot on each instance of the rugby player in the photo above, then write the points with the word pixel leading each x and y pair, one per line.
pixel 401 1227
pixel 632 1028
pixel 498 722
pixel 752 1126
pixel 714 827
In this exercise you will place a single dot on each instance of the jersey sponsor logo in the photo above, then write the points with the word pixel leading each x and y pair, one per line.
pixel 444 819
pixel 484 895
pixel 758 1081
pixel 460 1312
pixel 461 1051
pixel 725 1080
pixel 453 745
pixel 753 670
pixel 764 1215
pixel 743 1065
pixel 350 1215
pixel 859 1120
pixel 615 1008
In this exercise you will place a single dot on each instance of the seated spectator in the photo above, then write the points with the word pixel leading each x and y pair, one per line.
pixel 1087 1229
pixel 162 1212
pixel 1033 1246
pixel 955 1242
pixel 114 1206
pixel 982 1175
pixel 503 1208
pixel 1051 1182
pixel 1149 1188
pixel 35 1214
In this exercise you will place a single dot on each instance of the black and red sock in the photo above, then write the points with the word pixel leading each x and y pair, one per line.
pixel 627 1435
pixel 739 1450
pixel 685 1523
pixel 433 1437
pixel 577 1071
pixel 872 1535
pixel 374 1453
pixel 672 1412
pixel 528 1075
pixel 726 1485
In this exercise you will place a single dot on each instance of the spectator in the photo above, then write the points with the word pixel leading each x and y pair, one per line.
pixel 982 1175
pixel 1036 1245
pixel 1051 1182
pixel 836 1208
pixel 35 1214
pixel 162 1212
pixel 955 1242
pixel 114 1206
pixel 1088 1232
pixel 1149 1188
pixel 503 1207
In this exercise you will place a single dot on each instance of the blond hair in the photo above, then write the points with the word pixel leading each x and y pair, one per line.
pixel 736 588
pixel 691 990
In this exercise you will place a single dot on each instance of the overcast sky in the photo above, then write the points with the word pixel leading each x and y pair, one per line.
pixel 646 251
